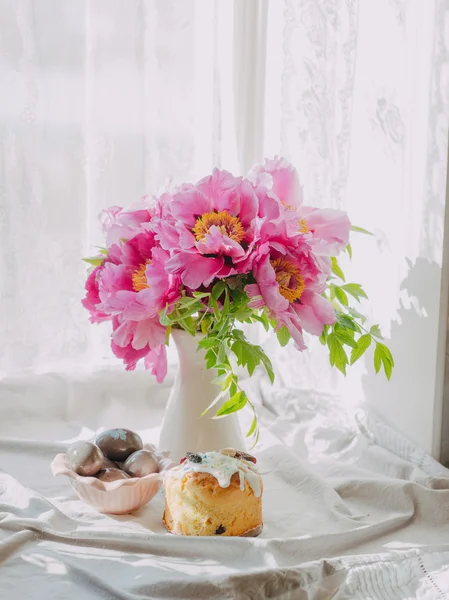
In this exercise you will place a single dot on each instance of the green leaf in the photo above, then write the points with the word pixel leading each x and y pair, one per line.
pixel 283 335
pixel 337 354
pixel 253 427
pixel 237 334
pixel 233 388
pixel 361 230
pixel 211 359
pixel 256 438
pixel 223 366
pixel 377 358
pixel 205 323
pixel 200 295
pixel 250 356
pixel 208 342
pixel 217 398
pixel 341 296
pixel 375 331
pixel 246 357
pixel 218 289
pixel 349 250
pixel 186 301
pixel 338 327
pixel 346 322
pixel 386 353
pixel 267 364
pixel 388 367
pixel 225 380
pixel 355 289
pixel 363 343
pixel 354 313
pixel 262 319
pixel 346 338
pixel 164 319
pixel 243 315
pixel 336 268
pixel 226 305
pixel 222 356
pixel 323 336
pixel 187 312
pixel 188 324
pixel 96 261
pixel 385 357
pixel 235 403
pixel 215 308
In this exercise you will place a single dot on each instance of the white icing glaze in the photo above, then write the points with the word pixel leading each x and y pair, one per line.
pixel 222 468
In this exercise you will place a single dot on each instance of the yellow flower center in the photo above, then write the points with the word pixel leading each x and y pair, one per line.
pixel 290 280
pixel 228 225
pixel 302 224
pixel 139 277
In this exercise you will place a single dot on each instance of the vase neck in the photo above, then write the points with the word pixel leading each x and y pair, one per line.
pixel 190 357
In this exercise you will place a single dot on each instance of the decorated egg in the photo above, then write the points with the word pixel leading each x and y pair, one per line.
pixel 84 458
pixel 141 463
pixel 118 444
pixel 111 475
pixel 109 464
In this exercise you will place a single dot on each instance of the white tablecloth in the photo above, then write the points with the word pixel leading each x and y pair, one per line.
pixel 351 509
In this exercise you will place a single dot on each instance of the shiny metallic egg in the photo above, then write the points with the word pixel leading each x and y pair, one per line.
pixel 111 475
pixel 118 444
pixel 109 464
pixel 84 458
pixel 141 463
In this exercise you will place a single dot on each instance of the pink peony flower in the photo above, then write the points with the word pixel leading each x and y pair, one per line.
pixel 281 204
pixel 163 289
pixel 119 289
pixel 281 178
pixel 92 298
pixel 223 226
pixel 119 224
pixel 329 229
pixel 155 359
pixel 289 284
pixel 211 230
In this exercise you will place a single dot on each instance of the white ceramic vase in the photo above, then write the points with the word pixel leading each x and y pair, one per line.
pixel 183 428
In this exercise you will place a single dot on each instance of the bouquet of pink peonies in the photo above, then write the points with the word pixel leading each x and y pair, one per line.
pixel 229 250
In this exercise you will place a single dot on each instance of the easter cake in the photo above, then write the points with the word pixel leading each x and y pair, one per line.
pixel 214 493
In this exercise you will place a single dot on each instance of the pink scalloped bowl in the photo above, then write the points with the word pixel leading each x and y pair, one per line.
pixel 116 497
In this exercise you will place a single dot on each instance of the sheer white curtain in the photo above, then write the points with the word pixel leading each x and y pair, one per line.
pixel 104 100
pixel 357 97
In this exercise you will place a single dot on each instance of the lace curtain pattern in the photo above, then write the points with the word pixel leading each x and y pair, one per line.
pixel 107 100
pixel 364 115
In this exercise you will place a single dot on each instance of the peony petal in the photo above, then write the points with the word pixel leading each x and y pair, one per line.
pixel 188 205
pixel 330 229
pixel 220 188
pixel 266 278
pixel 148 333
pixel 314 312
pixel 215 242
pixel 195 270
pixel 156 360
pixel 123 334
pixel 285 182
pixel 290 320
pixel 253 291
